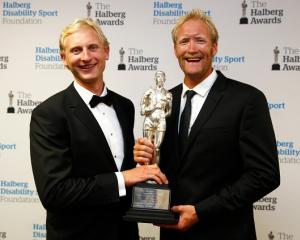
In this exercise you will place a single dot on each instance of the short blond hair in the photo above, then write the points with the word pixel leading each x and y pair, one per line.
pixel 196 14
pixel 78 24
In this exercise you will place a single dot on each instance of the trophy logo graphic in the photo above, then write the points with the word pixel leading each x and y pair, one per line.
pixel 276 65
pixel 3 235
pixel 244 19
pixel 271 236
pixel 89 10
pixel 151 201
pixel 10 108
pixel 121 65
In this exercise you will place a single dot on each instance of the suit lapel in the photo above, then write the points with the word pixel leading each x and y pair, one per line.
pixel 207 109
pixel 176 94
pixel 121 115
pixel 172 126
pixel 83 114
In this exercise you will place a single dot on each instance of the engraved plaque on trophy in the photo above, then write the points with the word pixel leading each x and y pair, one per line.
pixel 151 201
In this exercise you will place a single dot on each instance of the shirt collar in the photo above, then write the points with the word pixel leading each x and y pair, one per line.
pixel 87 95
pixel 203 87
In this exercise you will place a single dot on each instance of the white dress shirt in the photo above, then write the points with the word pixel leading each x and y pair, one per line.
pixel 202 90
pixel 109 123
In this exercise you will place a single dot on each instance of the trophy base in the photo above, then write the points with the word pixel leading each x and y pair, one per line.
pixel 276 67
pixel 244 20
pixel 10 110
pixel 121 67
pixel 151 204
pixel 150 216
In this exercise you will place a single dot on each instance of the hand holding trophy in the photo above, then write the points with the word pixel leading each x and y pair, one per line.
pixel 151 201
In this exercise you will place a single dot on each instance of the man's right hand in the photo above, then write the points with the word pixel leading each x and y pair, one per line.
pixel 144 173
pixel 143 151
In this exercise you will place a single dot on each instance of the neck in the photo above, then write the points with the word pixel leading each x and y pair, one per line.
pixel 94 87
pixel 193 80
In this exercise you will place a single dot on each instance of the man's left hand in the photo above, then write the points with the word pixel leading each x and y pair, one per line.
pixel 187 217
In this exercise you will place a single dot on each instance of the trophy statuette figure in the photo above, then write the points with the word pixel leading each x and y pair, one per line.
pixel 156 105
pixel 151 201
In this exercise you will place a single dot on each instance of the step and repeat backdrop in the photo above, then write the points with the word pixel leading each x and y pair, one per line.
pixel 259 44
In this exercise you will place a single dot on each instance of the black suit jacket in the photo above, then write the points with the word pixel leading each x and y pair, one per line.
pixel 229 163
pixel 74 168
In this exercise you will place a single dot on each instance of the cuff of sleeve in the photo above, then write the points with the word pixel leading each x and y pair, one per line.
pixel 121 184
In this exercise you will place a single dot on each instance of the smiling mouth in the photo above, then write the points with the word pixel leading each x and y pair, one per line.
pixel 193 59
pixel 87 66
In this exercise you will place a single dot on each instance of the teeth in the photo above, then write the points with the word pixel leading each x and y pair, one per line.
pixel 193 59
pixel 87 66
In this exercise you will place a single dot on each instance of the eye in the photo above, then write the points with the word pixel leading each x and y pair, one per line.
pixel 93 47
pixel 183 41
pixel 200 40
pixel 76 51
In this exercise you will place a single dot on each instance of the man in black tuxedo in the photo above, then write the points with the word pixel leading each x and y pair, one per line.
pixel 81 146
pixel 225 159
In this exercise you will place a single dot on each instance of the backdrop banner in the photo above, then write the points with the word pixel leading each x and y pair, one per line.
pixel 259 44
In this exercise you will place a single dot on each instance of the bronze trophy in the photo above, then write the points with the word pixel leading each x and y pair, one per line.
pixel 151 201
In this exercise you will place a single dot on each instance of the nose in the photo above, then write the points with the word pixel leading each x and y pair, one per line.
pixel 85 55
pixel 192 46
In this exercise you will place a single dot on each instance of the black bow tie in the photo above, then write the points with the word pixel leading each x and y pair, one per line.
pixel 96 100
